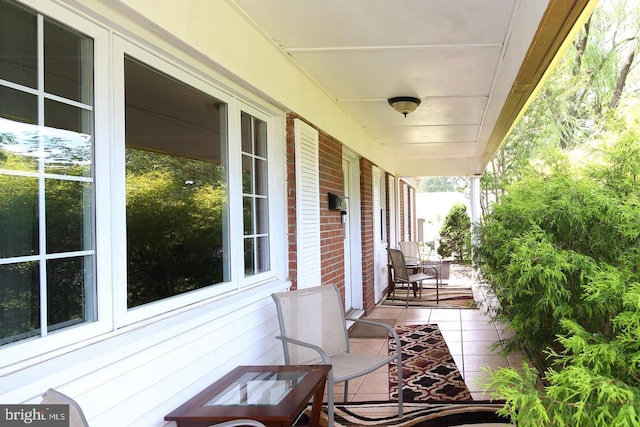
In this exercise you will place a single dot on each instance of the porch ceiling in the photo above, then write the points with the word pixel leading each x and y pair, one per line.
pixel 473 64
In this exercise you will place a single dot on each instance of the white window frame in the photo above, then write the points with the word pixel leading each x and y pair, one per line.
pixel 124 316
pixel 12 354
pixel 235 188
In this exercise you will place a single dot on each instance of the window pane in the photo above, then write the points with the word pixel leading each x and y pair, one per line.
pixel 246 135
pixel 19 301
pixel 263 254
pixel 19 146
pixel 260 137
pixel 68 215
pixel 63 116
pixel 69 291
pixel 247 215
pixel 67 153
pixel 249 253
pixel 68 62
pixel 18 46
pixel 18 216
pixel 262 216
pixel 247 174
pixel 18 106
pixel 176 187
pixel 261 177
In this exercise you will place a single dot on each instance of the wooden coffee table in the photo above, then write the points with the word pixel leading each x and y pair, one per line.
pixel 273 394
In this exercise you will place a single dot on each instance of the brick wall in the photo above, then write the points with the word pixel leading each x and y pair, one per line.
pixel 331 228
pixel 366 212
pixel 291 199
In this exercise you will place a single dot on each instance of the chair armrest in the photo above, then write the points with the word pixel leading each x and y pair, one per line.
pixel 325 357
pixel 370 322
pixel 430 267
pixel 411 261
pixel 383 325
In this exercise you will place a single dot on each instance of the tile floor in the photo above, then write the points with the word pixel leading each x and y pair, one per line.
pixel 469 336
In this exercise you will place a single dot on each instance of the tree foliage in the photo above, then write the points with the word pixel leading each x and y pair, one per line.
pixel 561 252
pixel 440 184
pixel 598 71
pixel 174 225
pixel 175 232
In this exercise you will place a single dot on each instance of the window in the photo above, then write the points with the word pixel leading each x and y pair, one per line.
pixel 47 252
pixel 176 167
pixel 255 202
pixel 130 185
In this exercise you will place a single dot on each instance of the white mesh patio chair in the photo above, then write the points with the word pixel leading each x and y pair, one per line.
pixel 430 263
pixel 313 330
pixel 76 416
pixel 411 252
pixel 401 276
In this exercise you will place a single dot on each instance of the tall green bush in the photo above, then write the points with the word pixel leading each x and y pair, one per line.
pixel 561 252
pixel 455 234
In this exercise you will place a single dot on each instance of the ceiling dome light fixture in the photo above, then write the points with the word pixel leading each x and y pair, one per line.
pixel 404 104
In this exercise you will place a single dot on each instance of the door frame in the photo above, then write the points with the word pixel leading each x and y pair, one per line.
pixel 354 301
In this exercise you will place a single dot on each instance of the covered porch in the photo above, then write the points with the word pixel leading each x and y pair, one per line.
pixel 265 113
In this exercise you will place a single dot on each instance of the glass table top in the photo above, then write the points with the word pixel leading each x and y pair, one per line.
pixel 258 389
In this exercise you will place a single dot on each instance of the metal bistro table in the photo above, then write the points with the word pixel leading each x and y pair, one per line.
pixel 274 395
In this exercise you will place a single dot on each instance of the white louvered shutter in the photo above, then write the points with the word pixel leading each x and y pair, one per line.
pixel 307 205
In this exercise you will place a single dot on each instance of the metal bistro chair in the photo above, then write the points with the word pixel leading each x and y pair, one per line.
pixel 313 330
pixel 401 276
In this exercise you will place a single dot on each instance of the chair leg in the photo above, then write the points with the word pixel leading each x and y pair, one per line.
pixel 330 401
pixel 409 288
pixel 400 380
pixel 346 391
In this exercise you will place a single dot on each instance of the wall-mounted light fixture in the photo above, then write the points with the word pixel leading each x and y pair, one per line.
pixel 404 104
pixel 337 203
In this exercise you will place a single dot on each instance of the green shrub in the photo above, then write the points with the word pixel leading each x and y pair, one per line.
pixel 455 234
pixel 561 252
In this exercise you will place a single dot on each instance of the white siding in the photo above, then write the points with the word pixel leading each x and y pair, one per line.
pixel 137 377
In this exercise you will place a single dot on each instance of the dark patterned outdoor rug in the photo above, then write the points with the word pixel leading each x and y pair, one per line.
pixel 416 414
pixel 428 370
